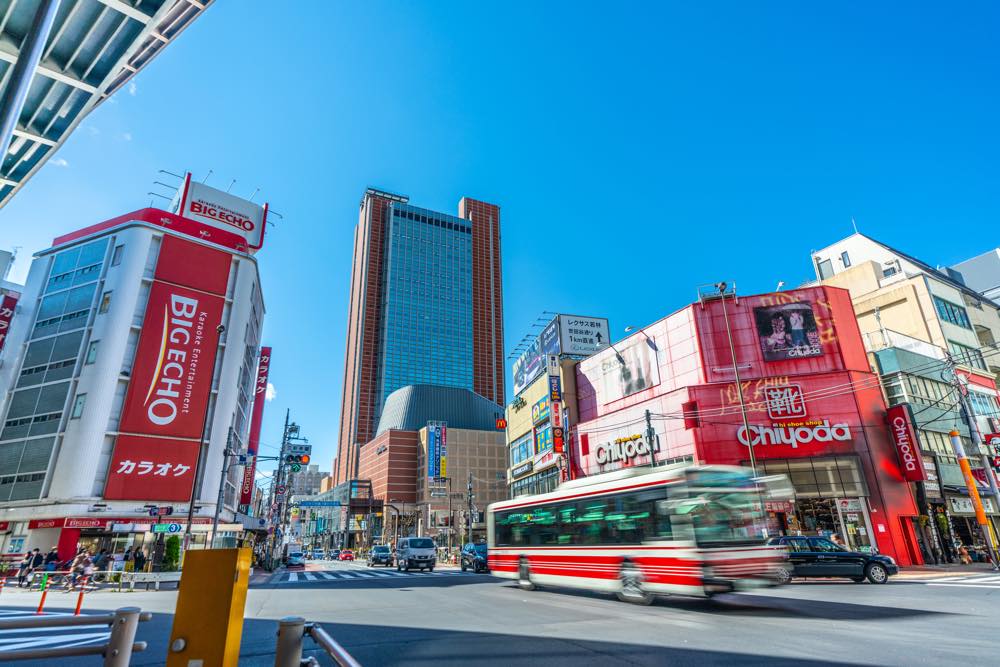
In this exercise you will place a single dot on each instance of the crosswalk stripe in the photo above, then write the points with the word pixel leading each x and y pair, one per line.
pixel 293 577
pixel 308 577
pixel 326 575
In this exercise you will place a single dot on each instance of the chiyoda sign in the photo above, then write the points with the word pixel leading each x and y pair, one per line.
pixel 160 430
pixel 219 209
pixel 794 434
pixel 624 449
pixel 905 440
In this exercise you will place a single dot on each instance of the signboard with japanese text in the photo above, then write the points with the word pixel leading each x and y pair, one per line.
pixel 256 418
pixel 171 379
pixel 540 410
pixel 7 305
pixel 785 402
pixel 583 335
pixel 437 450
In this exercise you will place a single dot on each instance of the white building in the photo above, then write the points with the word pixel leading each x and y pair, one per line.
pixel 71 468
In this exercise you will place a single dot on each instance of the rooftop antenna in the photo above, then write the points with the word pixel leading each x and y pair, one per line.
pixel 254 193
pixel 206 176
pixel 854 224
pixel 231 185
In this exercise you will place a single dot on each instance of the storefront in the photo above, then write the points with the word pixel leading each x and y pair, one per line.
pixel 965 527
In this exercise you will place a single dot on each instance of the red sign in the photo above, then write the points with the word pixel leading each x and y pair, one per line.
pixel 167 398
pixel 253 441
pixel 36 524
pixel 85 523
pixel 785 402
pixel 146 468
pixel 558 444
pixel 993 440
pixel 6 315
pixel 905 439
pixel 172 374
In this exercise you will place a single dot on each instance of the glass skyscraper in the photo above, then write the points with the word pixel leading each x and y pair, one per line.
pixel 425 308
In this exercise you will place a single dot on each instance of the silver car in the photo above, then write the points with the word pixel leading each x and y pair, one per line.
pixel 416 552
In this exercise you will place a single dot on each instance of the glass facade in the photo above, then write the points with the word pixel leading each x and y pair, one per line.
pixel 42 389
pixel 426 330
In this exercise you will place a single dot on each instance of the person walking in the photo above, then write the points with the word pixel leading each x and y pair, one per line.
pixel 75 569
pixel 23 569
pixel 140 560
pixel 37 563
pixel 128 559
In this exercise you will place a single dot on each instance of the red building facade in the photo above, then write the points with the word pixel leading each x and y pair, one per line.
pixel 814 409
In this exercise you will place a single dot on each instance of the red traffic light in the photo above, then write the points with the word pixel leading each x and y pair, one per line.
pixel 304 458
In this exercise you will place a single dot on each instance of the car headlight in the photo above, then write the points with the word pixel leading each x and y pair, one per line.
pixel 889 559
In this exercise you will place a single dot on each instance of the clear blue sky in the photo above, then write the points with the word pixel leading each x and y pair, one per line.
pixel 636 150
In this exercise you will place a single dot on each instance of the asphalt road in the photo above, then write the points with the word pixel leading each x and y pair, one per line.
pixel 453 618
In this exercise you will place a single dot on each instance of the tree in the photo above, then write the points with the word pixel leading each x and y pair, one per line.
pixel 172 553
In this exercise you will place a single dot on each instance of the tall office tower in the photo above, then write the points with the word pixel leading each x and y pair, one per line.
pixel 426 307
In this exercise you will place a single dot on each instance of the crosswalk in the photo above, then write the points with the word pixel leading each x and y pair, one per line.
pixel 319 576
pixel 48 637
pixel 968 581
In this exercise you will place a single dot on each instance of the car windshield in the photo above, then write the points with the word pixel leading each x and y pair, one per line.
pixel 295 554
pixel 422 543
pixel 380 550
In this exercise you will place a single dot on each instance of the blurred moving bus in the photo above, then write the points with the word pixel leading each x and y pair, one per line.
pixel 685 530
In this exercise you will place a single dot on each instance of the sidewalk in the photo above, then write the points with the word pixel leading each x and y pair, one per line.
pixel 944 570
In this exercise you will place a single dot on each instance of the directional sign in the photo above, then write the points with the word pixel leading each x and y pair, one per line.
pixel 167 527
pixel 319 503
pixel 296 467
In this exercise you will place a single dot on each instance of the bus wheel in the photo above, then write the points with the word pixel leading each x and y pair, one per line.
pixel 524 575
pixel 631 582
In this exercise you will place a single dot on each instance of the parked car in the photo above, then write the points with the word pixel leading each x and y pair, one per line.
pixel 334 555
pixel 295 560
pixel 474 558
pixel 819 557
pixel 317 554
pixel 418 552
pixel 380 555
pixel 346 554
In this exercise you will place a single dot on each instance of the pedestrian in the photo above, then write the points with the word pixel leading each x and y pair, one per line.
pixel 23 569
pixel 835 538
pixel 140 560
pixel 101 560
pixel 52 560
pixel 128 559
pixel 75 569
pixel 37 562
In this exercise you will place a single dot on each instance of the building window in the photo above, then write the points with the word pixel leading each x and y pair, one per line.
pixel 92 352
pixel 825 268
pixel 105 302
pixel 969 356
pixel 845 259
pixel 889 271
pixel 949 312
pixel 116 256
pixel 78 404
pixel 984 405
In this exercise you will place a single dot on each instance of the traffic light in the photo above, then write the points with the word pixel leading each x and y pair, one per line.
pixel 297 458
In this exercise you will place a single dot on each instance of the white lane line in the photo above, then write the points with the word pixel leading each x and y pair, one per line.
pixel 326 575
pixel 985 580
pixel 968 585
pixel 292 577
pixel 308 577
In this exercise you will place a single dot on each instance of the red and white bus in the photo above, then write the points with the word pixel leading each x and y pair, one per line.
pixel 683 530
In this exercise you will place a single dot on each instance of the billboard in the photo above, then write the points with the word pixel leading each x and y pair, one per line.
pixel 171 377
pixel 256 417
pixel 221 210
pixel 583 335
pixel 633 369
pixel 6 315
pixel 787 331
pixel 531 363
pixel 437 450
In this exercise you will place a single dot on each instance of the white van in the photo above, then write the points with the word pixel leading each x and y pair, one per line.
pixel 418 552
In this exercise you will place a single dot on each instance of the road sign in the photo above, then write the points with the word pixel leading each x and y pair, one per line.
pixel 167 528
pixel 319 503
pixel 280 490
pixel 296 467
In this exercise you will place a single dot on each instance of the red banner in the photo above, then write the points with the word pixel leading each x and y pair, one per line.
pixel 172 373
pixel 253 441
pixel 6 315
pixel 904 438
pixel 144 468
pixel 171 376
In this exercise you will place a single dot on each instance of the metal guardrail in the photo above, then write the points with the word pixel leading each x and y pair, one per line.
pixel 291 631
pixel 117 651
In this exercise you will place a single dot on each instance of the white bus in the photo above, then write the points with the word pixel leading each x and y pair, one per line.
pixel 688 530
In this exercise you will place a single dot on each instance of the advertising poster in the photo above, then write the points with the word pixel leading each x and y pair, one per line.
pixel 540 410
pixel 636 370
pixel 531 363
pixel 6 315
pixel 432 450
pixel 543 439
pixel 787 331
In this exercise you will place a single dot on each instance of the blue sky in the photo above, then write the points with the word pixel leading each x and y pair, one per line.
pixel 636 151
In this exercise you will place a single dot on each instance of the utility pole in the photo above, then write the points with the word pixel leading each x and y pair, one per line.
pixel 222 486
pixel 470 506
pixel 963 462
pixel 651 439
pixel 276 513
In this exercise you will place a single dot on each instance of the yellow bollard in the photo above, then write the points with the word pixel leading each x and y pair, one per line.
pixel 208 621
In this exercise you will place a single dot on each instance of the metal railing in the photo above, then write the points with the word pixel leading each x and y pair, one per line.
pixel 291 631
pixel 117 651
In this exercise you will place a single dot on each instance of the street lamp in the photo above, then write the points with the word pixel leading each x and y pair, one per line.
pixel 721 286
pixel 650 341
pixel 197 464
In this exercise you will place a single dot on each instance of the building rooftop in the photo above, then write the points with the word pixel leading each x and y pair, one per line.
pixel 409 408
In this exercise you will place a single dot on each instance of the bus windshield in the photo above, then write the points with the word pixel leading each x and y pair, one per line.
pixel 723 518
